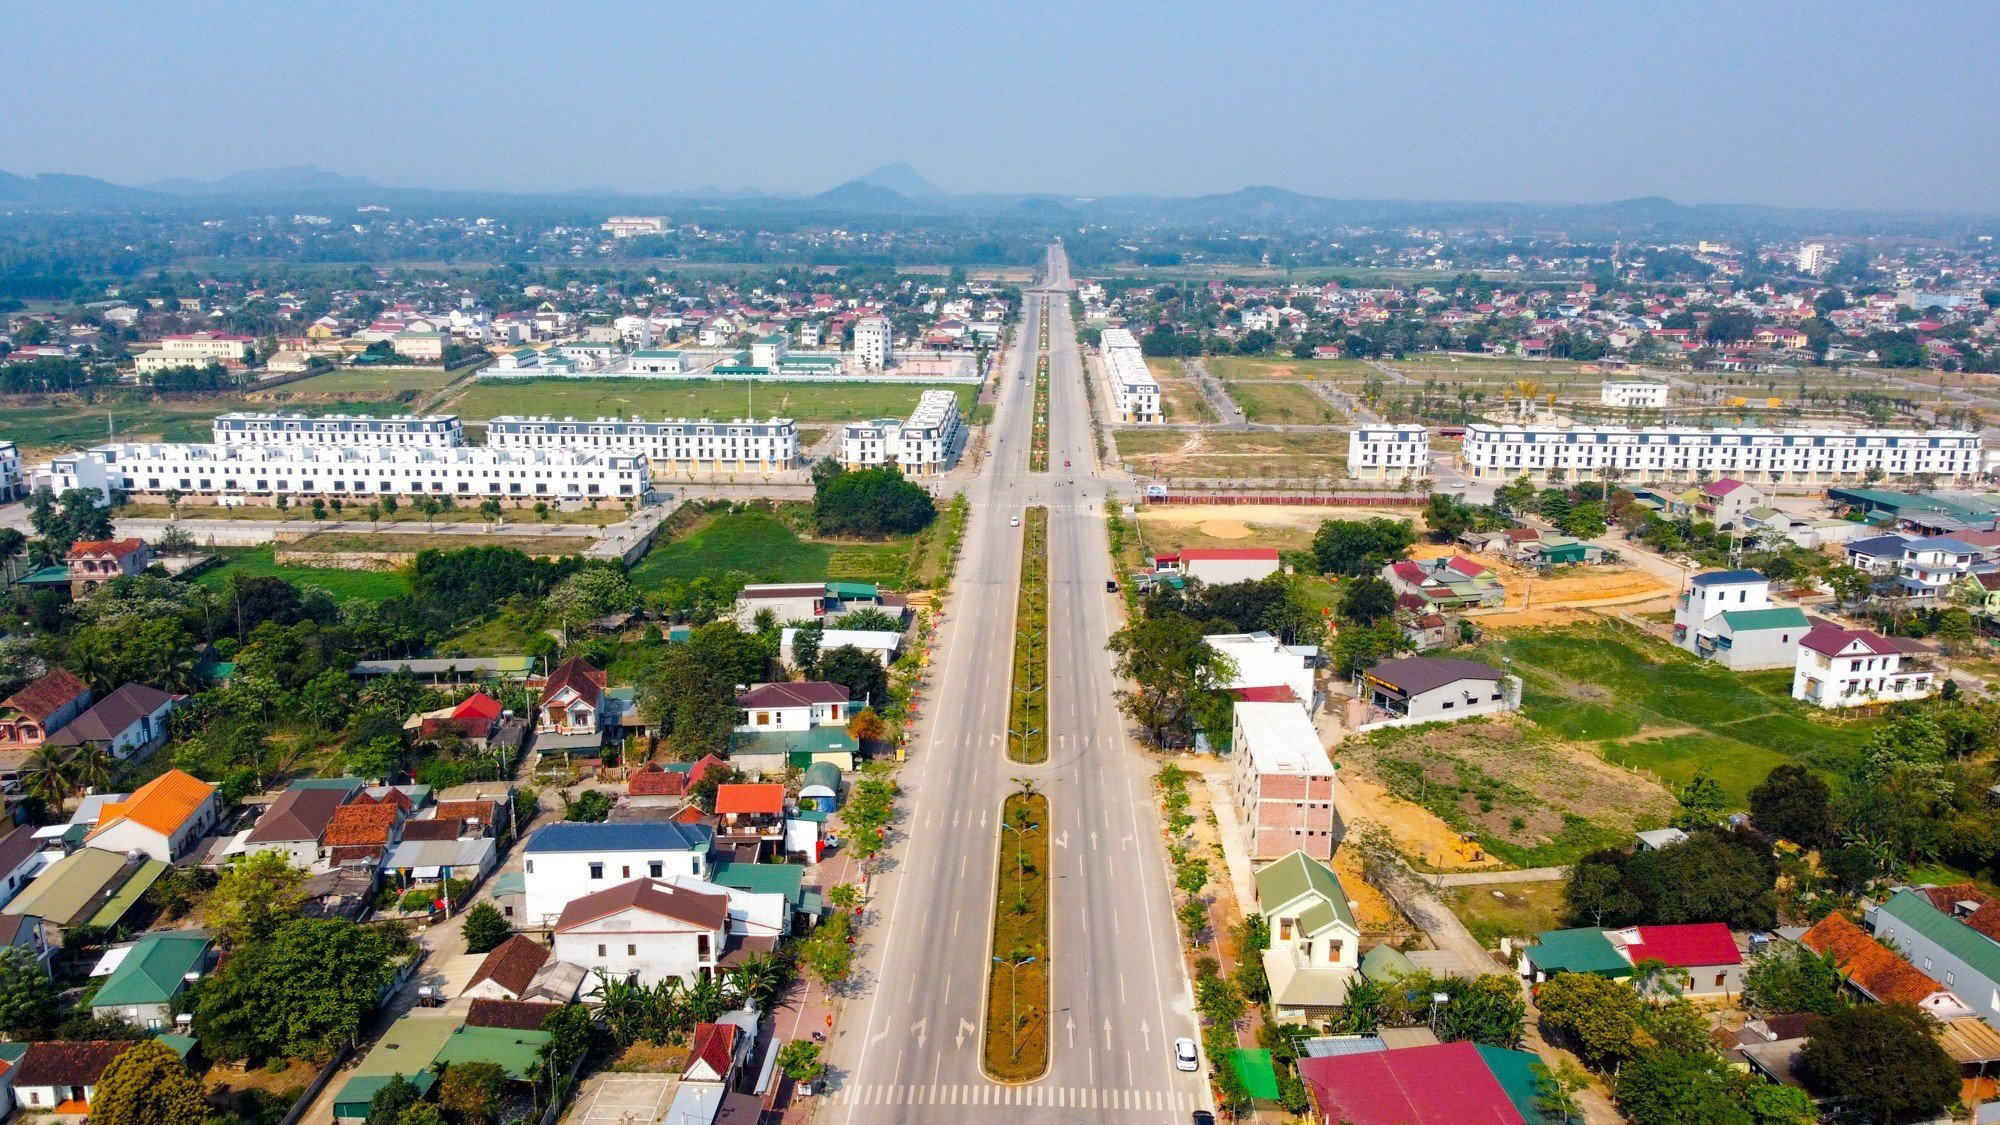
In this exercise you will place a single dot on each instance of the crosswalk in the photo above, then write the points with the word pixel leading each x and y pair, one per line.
pixel 1077 1097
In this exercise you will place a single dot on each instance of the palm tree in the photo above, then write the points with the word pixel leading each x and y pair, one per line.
pixel 759 980
pixel 1026 785
pixel 47 772
pixel 92 767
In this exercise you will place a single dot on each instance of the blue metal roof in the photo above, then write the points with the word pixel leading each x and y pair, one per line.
pixel 1726 577
pixel 634 836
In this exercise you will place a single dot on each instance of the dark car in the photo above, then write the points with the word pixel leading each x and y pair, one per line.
pixel 1203 1117
pixel 1111 585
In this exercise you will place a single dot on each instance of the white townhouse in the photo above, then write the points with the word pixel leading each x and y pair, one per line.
pixel 13 484
pixel 1374 452
pixel 740 444
pixel 1748 454
pixel 567 860
pixel 1636 395
pixel 1137 392
pixel 921 444
pixel 1851 667
pixel 240 474
pixel 436 431
pixel 874 343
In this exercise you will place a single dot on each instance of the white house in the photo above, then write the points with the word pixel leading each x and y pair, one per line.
pixel 645 931
pixel 921 445
pixel 566 861
pixel 1850 667
pixel 682 444
pixel 791 706
pixel 130 721
pixel 786 601
pixel 874 343
pixel 1261 662
pixel 1801 456
pixel 656 361
pixel 1315 944
pixel 1727 616
pixel 1879 555
pixel 438 431
pixel 1431 689
pixel 163 818
pixel 1931 567
pixel 1635 395
pixel 572 699
pixel 1217 566
pixel 1375 452
pixel 1136 391
pixel 879 643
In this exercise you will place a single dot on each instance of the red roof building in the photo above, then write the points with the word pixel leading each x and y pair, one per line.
pixel 1696 945
pixel 1448 1084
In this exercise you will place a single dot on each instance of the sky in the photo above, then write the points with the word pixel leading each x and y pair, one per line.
pixel 1852 104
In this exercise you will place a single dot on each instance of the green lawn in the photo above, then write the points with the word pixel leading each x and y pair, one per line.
pixel 1653 706
pixel 258 562
pixel 734 549
pixel 41 424
pixel 657 398
pixel 379 384
pixel 1258 367
pixel 1282 404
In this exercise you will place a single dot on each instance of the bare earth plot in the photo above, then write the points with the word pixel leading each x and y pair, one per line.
pixel 1295 457
pixel 1181 400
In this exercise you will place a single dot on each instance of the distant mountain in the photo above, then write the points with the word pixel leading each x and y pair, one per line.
pixel 302 178
pixel 903 180
pixel 859 198
pixel 58 189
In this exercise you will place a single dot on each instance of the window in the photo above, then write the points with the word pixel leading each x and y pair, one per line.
pixel 631 951
pixel 600 951
pixel 625 872
pixel 597 871
pixel 656 869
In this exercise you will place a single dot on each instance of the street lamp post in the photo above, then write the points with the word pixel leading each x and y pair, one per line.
pixel 1014 996
pixel 1019 849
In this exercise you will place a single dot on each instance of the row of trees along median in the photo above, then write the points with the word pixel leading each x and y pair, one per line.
pixel 1028 705
pixel 1017 993
pixel 1038 453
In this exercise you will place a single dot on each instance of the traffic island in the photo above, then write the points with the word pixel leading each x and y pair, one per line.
pixel 1028 702
pixel 1017 993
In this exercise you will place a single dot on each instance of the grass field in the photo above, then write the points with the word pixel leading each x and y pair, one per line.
pixel 362 542
pixel 1251 368
pixel 1017 994
pixel 376 384
pixel 258 562
pixel 733 549
pixel 1649 705
pixel 1516 910
pixel 1180 399
pixel 657 398
pixel 1282 404
pixel 40 424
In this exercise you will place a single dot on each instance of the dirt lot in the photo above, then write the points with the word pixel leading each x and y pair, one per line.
pixel 1566 587
pixel 1530 799
pixel 1292 457
pixel 1245 525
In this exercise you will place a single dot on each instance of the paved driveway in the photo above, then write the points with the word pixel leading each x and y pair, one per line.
pixel 623 1099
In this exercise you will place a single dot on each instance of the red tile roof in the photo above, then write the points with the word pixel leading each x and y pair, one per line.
pixel 765 797
pixel 67 1063
pixel 514 1015
pixel 1465 566
pixel 651 781
pixel 1448 1084
pixel 578 676
pixel 1985 916
pixel 714 1045
pixel 1686 946
pixel 512 964
pixel 361 823
pixel 478 705
pixel 117 548
pixel 47 695
pixel 1273 693
pixel 1872 966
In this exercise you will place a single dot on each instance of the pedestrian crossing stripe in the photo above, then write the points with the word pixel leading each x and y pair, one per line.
pixel 1075 1097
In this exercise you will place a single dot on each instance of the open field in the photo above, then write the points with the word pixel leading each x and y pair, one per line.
pixel 361 542
pixel 1260 456
pixel 258 562
pixel 1284 404
pixel 1649 705
pixel 1516 910
pixel 363 382
pixel 733 549
pixel 1017 993
pixel 1563 587
pixel 1180 399
pixel 1253 368
pixel 659 398
pixel 42 424
pixel 1248 525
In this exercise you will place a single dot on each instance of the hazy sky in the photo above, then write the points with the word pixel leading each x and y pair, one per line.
pixel 1844 104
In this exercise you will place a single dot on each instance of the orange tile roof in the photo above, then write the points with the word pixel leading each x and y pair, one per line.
pixel 1985 917
pixel 162 804
pixel 1872 966
pixel 741 798
pixel 361 824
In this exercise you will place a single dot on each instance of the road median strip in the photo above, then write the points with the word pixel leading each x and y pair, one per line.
pixel 1028 703
pixel 1016 1034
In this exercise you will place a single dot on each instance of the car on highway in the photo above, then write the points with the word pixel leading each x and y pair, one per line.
pixel 1111 585
pixel 1015 522
pixel 1065 463
pixel 1185 1056
pixel 1203 1117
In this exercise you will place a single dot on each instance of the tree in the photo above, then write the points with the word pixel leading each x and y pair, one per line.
pixel 589 593
pixel 1792 979
pixel 1712 876
pixel 870 503
pixel 389 1103
pixel 422 1113
pixel 1882 1059
pixel 868 618
pixel 485 928
pixel 1701 803
pixel 1556 1089
pixel 588 807
pixel 867 726
pixel 800 1060
pixel 254 897
pixel 471 1092
pixel 1660 1086
pixel 1598 1016
pixel 147 1084
pixel 866 681
pixel 301 993
pixel 1366 600
pixel 805 647
pixel 1793 803
pixel 28 1000
pixel 1175 674
pixel 1354 547
pixel 1446 517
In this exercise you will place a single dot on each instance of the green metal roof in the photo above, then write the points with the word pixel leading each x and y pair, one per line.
pixel 823 773
pixel 786 879
pixel 1386 962
pixel 1784 617
pixel 62 893
pixel 1514 1070
pixel 1577 951
pixel 352 1101
pixel 127 897
pixel 512 1051
pixel 1955 937
pixel 1296 875
pixel 153 971
pixel 48 576
pixel 846 590
pixel 408 1048
pixel 1254 1069
pixel 818 740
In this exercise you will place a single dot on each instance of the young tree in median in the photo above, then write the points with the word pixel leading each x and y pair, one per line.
pixel 1882 1060
pixel 147 1084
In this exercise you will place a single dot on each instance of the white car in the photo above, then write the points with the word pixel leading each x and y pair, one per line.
pixel 1015 522
pixel 1185 1056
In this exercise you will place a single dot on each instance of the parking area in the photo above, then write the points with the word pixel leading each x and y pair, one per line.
pixel 623 1099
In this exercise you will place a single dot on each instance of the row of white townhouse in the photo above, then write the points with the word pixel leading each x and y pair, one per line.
pixel 1374 452
pixel 438 431
pixel 234 474
pixel 1748 454
pixel 677 443
pixel 921 445
pixel 1125 365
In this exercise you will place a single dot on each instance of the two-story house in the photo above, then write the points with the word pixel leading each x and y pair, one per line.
pixel 750 814
pixel 572 699
pixel 1851 667
pixel 94 562
pixel 1877 555
pixel 131 722
pixel 644 931
pixel 791 706
pixel 1930 567
pixel 566 861
pixel 1722 503
pixel 1951 934
pixel 1315 944
pixel 1727 616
